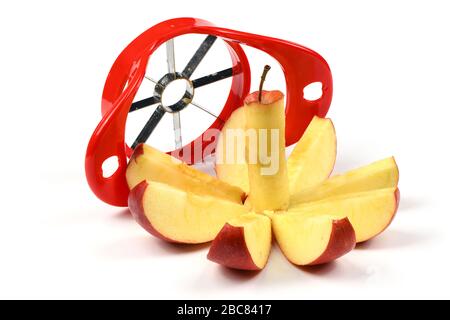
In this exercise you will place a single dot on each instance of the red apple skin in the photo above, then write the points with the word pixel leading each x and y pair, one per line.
pixel 229 249
pixel 135 203
pixel 397 198
pixel 267 97
pixel 397 203
pixel 342 240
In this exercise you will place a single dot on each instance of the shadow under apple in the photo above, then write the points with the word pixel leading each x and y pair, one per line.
pixel 237 275
pixel 123 214
pixel 409 202
pixel 147 247
pixel 394 239
pixel 319 270
pixel 180 248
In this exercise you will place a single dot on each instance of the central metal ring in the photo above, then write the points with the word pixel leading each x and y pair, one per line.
pixel 184 101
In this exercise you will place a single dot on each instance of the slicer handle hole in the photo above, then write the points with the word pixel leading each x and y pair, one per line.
pixel 110 166
pixel 313 91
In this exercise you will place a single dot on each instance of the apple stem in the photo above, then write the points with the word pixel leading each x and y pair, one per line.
pixel 263 78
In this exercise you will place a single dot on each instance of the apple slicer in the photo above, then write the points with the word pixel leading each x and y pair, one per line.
pixel 301 67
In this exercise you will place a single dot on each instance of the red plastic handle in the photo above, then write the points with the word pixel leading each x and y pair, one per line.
pixel 301 66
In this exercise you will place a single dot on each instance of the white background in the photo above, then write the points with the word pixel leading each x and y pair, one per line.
pixel 390 63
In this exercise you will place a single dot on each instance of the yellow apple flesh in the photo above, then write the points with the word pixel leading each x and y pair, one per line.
pixel 312 160
pixel 377 175
pixel 268 177
pixel 309 164
pixel 312 240
pixel 231 166
pixel 179 216
pixel 243 243
pixel 369 212
pixel 147 163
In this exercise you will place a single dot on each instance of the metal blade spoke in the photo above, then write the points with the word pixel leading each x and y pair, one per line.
pixel 151 124
pixel 151 79
pixel 204 109
pixel 198 56
pixel 143 103
pixel 170 54
pixel 177 130
pixel 213 77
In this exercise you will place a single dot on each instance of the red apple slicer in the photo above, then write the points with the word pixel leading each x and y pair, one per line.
pixel 301 67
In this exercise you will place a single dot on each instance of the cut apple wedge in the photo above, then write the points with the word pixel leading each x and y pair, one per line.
pixel 243 243
pixel 312 160
pixel 231 166
pixel 148 163
pixel 314 218
pixel 312 240
pixel 175 215
pixel 310 163
pixel 369 212
pixel 377 175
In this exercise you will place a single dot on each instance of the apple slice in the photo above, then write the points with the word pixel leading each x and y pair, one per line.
pixel 231 165
pixel 312 160
pixel 265 151
pixel 148 163
pixel 243 243
pixel 310 163
pixel 369 212
pixel 377 175
pixel 312 240
pixel 175 215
